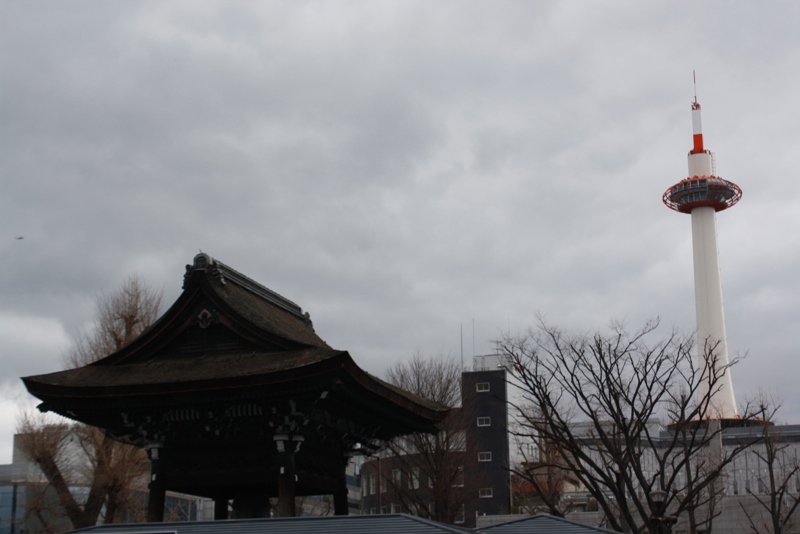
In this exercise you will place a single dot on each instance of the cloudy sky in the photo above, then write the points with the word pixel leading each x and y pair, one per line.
pixel 399 169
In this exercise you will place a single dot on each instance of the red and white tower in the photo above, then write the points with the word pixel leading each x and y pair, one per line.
pixel 703 194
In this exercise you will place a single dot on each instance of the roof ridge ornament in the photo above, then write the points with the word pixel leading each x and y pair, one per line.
pixel 222 274
pixel 204 262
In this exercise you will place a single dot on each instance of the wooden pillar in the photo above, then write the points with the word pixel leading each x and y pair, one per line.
pixel 340 504
pixel 286 486
pixel 157 487
pixel 220 507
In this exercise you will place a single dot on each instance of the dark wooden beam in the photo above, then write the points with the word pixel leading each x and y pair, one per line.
pixel 340 504
pixel 157 487
pixel 220 508
pixel 286 487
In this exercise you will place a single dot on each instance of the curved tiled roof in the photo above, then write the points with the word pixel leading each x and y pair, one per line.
pixel 134 377
pixel 269 340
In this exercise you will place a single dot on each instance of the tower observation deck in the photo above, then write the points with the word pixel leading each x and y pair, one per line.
pixel 708 191
pixel 703 194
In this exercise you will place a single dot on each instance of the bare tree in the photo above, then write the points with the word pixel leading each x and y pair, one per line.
pixel 596 400
pixel 435 378
pixel 76 454
pixel 425 471
pixel 120 318
pixel 777 473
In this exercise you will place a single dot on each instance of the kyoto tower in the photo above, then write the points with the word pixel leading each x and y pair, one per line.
pixel 703 194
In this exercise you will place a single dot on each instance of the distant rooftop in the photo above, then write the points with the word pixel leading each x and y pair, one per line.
pixel 342 524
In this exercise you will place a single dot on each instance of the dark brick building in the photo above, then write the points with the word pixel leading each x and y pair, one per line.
pixel 484 395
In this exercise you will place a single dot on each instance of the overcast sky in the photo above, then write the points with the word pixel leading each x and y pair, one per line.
pixel 398 169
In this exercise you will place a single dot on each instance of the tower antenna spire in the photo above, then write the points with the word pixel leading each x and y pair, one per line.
pixel 697 127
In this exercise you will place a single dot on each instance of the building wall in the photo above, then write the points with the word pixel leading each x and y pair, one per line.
pixel 484 395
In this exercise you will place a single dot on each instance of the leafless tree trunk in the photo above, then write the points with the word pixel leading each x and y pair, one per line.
pixel 69 454
pixel 596 401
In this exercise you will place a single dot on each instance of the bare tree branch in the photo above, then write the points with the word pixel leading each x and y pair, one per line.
pixel 426 471
pixel 595 402
pixel 775 472
pixel 122 316
pixel 75 454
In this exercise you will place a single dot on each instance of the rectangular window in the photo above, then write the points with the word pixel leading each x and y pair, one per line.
pixel 384 509
pixel 485 493
pixel 460 515
pixel 482 386
pixel 484 421
pixel 458 480
pixel 484 456
pixel 396 477
pixel 414 482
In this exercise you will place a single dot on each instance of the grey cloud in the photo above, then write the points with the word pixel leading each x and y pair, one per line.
pixel 398 169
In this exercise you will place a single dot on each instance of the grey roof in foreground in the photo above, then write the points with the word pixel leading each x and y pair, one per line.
pixel 341 524
pixel 543 524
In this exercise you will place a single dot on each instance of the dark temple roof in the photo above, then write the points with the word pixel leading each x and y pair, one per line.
pixel 224 332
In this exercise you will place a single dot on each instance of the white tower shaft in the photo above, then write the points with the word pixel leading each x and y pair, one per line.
pixel 712 346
